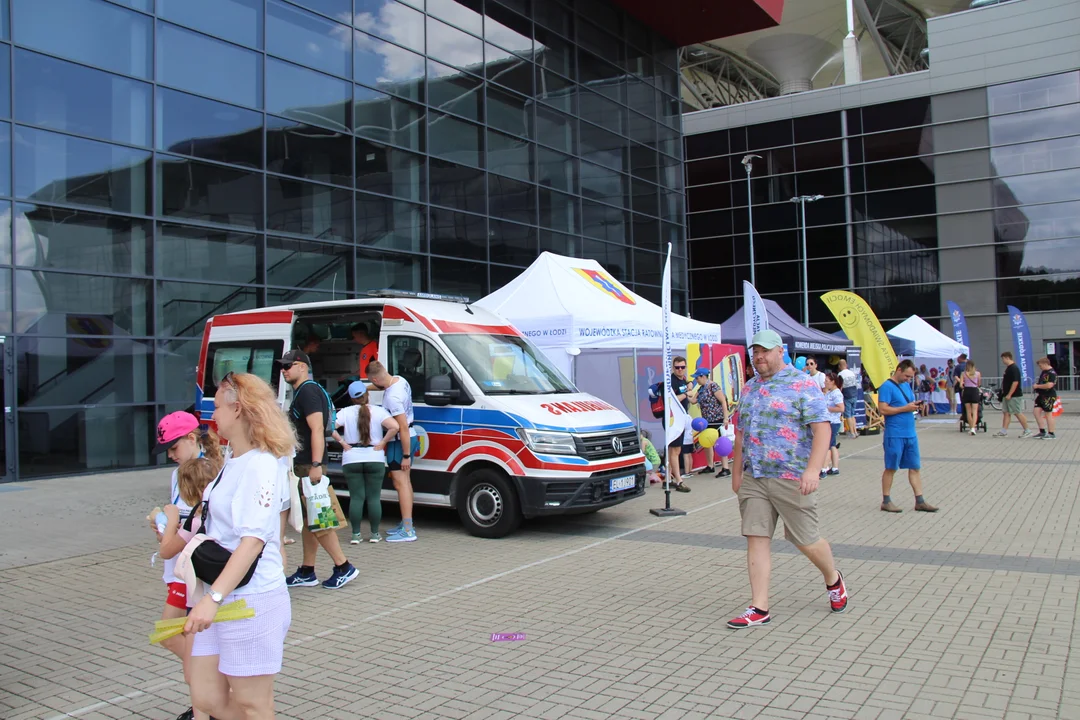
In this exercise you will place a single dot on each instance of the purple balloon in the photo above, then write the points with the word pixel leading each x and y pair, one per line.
pixel 699 424
pixel 723 446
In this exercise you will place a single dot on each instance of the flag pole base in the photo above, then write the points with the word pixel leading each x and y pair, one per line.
pixel 667 512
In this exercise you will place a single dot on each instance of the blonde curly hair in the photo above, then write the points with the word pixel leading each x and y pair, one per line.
pixel 268 428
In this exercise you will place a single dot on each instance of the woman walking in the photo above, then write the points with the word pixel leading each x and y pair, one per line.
pixel 368 429
pixel 834 403
pixel 233 664
pixel 971 380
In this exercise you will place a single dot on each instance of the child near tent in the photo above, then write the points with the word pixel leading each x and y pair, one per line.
pixel 653 467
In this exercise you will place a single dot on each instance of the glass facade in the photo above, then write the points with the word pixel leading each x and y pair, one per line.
pixel 165 162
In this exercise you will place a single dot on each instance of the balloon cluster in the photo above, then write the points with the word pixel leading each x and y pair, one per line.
pixel 711 437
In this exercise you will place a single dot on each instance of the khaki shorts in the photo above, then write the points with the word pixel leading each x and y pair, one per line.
pixel 1013 406
pixel 762 500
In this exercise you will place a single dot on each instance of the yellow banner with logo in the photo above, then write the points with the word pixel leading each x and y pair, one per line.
pixel 861 326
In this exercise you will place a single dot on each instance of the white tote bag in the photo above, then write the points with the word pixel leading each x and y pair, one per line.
pixel 320 508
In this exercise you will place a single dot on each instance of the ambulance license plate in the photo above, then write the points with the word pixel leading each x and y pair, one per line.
pixel 623 483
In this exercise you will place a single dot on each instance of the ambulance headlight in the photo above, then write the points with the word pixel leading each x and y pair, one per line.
pixel 551 443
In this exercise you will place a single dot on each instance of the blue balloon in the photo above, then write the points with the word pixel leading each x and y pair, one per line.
pixel 699 424
pixel 800 363
pixel 787 359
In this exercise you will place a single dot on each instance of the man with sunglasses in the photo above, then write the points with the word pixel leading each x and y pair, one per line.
pixel 680 386
pixel 308 414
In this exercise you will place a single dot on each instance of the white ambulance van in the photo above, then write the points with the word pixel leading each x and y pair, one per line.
pixel 503 434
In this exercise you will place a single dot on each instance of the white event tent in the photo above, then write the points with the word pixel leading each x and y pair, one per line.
pixel 929 343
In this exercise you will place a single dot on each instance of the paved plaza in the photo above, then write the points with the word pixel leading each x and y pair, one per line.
pixel 969 613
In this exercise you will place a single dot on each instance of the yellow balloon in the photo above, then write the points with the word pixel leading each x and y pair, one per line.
pixel 708 437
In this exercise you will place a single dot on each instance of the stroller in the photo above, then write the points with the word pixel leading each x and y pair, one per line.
pixel 980 423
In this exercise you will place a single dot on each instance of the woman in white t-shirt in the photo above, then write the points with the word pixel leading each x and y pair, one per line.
pixel 834 403
pixel 233 664
pixel 368 429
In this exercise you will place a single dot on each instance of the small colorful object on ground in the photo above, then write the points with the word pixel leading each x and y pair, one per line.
pixel 236 610
pixel 507 637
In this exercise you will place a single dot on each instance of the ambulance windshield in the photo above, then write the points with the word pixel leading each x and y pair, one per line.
pixel 507 365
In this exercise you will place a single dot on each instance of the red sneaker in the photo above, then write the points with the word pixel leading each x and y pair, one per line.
pixel 751 618
pixel 838 595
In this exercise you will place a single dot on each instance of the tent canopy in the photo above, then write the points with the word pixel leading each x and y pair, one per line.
pixel 574 303
pixel 900 346
pixel 800 339
pixel 929 343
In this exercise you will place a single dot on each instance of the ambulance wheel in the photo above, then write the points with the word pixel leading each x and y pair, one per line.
pixel 488 505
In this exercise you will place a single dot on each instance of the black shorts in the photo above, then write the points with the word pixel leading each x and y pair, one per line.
pixel 1045 402
pixel 675 444
pixel 971 396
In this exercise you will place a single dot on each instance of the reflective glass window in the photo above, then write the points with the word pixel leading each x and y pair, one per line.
pixel 52 237
pixel 555 53
pixel 614 258
pixel 644 163
pixel 511 199
pixel 176 362
pixel 556 91
pixel 383 169
pixel 454 277
pixel 308 152
pixel 1034 93
pixel 600 76
pixel 307 96
pixel 646 232
pixel 388 67
pixel 600 183
pixel 5 165
pixel 555 129
pixel 1039 156
pixel 5 30
pixel 509 112
pixel 508 155
pixel 554 16
pixel 668 141
pixel 556 170
pixel 603 112
pixel 457 186
pixel 191 125
pixel 558 243
pixel 457 235
pixel 604 222
pixel 382 118
pixel 457 13
pixel 5 79
pixel 389 224
pixel 508 70
pixel 102 434
pixel 52 302
pixel 1035 125
pixel 559 211
pixel 392 21
pixel 1037 222
pixel 197 253
pixel 90 31
pixel 1048 187
pixel 646 199
pixel 304 208
pixel 454 47
pixel 512 243
pixel 213 193
pixel 509 30
pixel 390 271
pixel 455 140
pixel 61 168
pixel 304 264
pixel 64 96
pixel 337 9
pixel 597 40
pixel 184 307
pixel 203 65
pixel 63 371
pixel 451 90
pixel 238 21
pixel 602 147
pixel 308 39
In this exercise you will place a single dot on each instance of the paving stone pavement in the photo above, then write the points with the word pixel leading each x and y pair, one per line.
pixel 968 613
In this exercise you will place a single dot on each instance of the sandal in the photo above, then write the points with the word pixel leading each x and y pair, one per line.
pixel 289 541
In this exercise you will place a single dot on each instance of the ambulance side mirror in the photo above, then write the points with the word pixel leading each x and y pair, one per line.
pixel 440 391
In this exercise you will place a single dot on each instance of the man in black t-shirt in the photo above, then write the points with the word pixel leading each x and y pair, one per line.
pixel 1045 397
pixel 308 412
pixel 1012 397
pixel 679 453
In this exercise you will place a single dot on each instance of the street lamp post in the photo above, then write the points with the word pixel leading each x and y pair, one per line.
pixel 748 163
pixel 802 200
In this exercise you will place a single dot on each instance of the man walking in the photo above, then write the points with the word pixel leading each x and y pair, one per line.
pixel 955 379
pixel 896 401
pixel 1012 397
pixel 783 438
pixel 851 396
pixel 397 400
pixel 308 414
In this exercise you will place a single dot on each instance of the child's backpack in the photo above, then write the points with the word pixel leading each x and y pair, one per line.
pixel 656 400
pixel 925 386
pixel 331 413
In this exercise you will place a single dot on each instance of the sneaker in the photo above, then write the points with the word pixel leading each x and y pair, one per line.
pixel 1040 436
pixel 972 431
pixel 682 487
pixel 838 595
pixel 1001 433
pixel 375 537
pixel 834 471
pixel 751 618
pixel 341 578
pixel 401 536
pixel 707 471
pixel 724 473
pixel 1025 434
pixel 188 714
pixel 890 507
pixel 356 539
pixel 299 579
pixel 925 507
pixel 822 474
pixel 1051 436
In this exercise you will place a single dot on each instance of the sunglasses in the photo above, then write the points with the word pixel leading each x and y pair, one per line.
pixel 286 366
pixel 680 367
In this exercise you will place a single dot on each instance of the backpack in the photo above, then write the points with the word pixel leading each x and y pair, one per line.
pixel 656 400
pixel 925 386
pixel 331 414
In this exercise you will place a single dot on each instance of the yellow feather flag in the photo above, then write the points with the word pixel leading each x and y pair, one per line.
pixel 861 326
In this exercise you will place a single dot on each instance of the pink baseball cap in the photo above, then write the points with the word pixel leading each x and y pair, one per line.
pixel 173 427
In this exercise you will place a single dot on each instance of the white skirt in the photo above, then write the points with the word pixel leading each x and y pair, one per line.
pixel 246 648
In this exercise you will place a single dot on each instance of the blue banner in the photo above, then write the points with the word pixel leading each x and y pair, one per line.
pixel 1022 344
pixel 959 324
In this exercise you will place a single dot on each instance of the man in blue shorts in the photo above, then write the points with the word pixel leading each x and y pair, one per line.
pixel 896 401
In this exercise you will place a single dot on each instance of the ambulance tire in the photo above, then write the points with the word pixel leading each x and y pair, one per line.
pixel 488 504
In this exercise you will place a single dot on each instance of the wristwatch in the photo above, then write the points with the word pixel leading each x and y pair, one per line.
pixel 316 464
pixel 215 596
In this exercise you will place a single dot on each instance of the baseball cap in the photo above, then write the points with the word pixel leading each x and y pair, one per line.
pixel 357 389
pixel 702 371
pixel 294 356
pixel 767 340
pixel 173 427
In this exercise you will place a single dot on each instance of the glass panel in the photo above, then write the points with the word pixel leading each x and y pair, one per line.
pixel 508 30
pixel 308 152
pixel 456 140
pixel 6 324
pixel 1035 125
pixel 555 129
pixel 643 163
pixel 390 271
pixel 5 85
pixel 191 125
pixel 512 200
pixel 81 371
pixel 385 119
pixel 213 193
pixel 554 16
pixel 457 186
pixel 646 233
pixel 557 170
pixel 1039 156
pixel 5 162
pixel 1049 187
pixel 59 168
pixel 337 9
pixel 77 440
pixel 193 253
pixel 458 235
pixel 557 243
pixel 603 112
pixel 509 112
pixel 298 263
pixel 239 21
pixel 177 360
pixel 559 211
pixel 390 224
pixel 600 76
pixel 604 222
pixel 509 155
pixel 390 68
pixel 614 258
pixel 454 47
pixel 89 31
pixel 319 211
pixel 457 13
pixel 184 308
pixel 512 243
pixel 1046 257
pixel 646 199
pixel 454 91
pixel 190 61
pixel 61 303
pixel 282 296
pixel 51 237
pixel 602 147
pixel 308 39
pixel 556 91
pixel 392 21
pixel 555 53
pixel 508 70
pixel 307 96
pixel 387 170
pixel 599 183
pixel 1035 93
pixel 1038 222
pixel 454 277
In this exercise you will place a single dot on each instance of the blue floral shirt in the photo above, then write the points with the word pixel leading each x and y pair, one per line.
pixel 775 417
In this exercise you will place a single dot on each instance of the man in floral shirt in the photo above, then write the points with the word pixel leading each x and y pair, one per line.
pixel 782 442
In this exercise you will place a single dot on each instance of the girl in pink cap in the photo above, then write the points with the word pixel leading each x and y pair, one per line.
pixel 180 435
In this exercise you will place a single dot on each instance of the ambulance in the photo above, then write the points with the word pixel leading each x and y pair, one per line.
pixel 503 434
